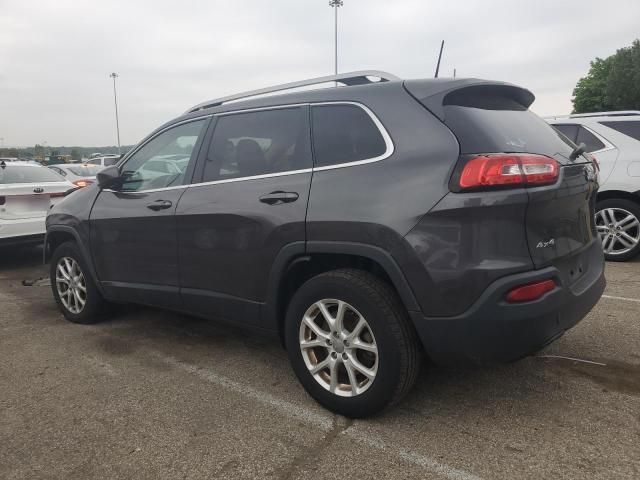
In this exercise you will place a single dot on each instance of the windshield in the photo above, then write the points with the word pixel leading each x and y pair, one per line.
pixel 26 174
pixel 85 170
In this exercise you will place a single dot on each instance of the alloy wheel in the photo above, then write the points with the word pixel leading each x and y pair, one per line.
pixel 338 347
pixel 71 285
pixel 618 229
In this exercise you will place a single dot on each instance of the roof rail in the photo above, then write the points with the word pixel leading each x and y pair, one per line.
pixel 348 79
pixel 619 113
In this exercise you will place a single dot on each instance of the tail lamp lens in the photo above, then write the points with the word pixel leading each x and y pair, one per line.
pixel 82 183
pixel 530 292
pixel 508 170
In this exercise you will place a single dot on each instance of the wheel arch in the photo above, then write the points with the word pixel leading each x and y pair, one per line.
pixel 296 264
pixel 618 194
pixel 57 235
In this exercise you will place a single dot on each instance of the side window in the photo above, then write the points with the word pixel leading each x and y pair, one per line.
pixel 631 128
pixel 258 143
pixel 157 163
pixel 569 131
pixel 344 133
pixel 589 139
pixel 110 161
pixel 94 162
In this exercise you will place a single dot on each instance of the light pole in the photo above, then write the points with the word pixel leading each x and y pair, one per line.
pixel 115 101
pixel 335 4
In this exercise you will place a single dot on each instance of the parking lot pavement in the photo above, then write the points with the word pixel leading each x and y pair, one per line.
pixel 152 394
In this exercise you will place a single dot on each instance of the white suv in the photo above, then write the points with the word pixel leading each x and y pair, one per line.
pixel 614 139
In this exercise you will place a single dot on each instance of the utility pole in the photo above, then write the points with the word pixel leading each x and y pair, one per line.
pixel 439 58
pixel 335 4
pixel 454 73
pixel 115 101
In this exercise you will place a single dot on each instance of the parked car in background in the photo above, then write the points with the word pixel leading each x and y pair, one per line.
pixel 81 175
pixel 614 139
pixel 103 161
pixel 8 159
pixel 363 225
pixel 27 191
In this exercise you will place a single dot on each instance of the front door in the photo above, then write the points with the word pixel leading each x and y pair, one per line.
pixel 133 230
pixel 250 203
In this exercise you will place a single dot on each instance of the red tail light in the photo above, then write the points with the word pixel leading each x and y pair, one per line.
pixel 56 194
pixel 504 170
pixel 530 292
pixel 596 163
pixel 82 183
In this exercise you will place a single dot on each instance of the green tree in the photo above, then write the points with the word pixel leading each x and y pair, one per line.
pixel 623 85
pixel 612 83
pixel 75 154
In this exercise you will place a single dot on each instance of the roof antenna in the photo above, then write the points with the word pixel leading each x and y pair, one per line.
pixel 439 58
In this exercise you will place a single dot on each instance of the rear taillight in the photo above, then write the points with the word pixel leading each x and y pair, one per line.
pixel 596 163
pixel 82 183
pixel 530 292
pixel 505 170
pixel 56 194
pixel 2 200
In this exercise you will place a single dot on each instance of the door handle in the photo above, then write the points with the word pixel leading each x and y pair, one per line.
pixel 279 197
pixel 160 205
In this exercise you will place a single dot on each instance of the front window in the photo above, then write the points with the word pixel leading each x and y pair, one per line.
pixel 158 163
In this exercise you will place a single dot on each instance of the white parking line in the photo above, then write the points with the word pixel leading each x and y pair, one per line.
pixel 591 362
pixel 612 297
pixel 324 422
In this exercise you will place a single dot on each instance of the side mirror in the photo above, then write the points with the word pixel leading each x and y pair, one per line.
pixel 108 177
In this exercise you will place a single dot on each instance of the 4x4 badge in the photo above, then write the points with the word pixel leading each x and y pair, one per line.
pixel 549 243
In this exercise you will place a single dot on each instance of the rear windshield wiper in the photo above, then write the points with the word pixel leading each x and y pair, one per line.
pixel 579 150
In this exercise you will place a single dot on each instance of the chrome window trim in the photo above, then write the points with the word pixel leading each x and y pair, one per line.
pixel 254 177
pixel 389 150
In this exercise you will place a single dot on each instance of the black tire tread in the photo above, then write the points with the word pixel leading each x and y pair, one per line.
pixel 387 302
pixel 96 308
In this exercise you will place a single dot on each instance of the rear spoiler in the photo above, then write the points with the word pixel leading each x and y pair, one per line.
pixel 472 92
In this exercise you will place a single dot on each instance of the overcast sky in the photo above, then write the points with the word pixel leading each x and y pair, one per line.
pixel 56 56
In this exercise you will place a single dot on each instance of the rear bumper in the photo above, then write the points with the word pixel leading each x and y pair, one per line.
pixel 23 230
pixel 493 330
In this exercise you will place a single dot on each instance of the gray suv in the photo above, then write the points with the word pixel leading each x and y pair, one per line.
pixel 365 226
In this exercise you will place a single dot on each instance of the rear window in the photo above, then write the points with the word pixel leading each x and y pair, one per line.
pixel 589 139
pixel 493 123
pixel 630 128
pixel 344 133
pixel 26 174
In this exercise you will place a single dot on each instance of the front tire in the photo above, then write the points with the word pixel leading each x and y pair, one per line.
pixel 351 343
pixel 76 294
pixel 618 225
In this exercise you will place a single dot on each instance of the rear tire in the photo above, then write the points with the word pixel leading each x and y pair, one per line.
pixel 618 225
pixel 74 290
pixel 375 362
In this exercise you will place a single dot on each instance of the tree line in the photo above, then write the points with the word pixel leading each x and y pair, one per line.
pixel 612 83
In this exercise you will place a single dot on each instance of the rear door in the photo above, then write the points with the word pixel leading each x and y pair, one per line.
pixel 250 203
pixel 133 230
